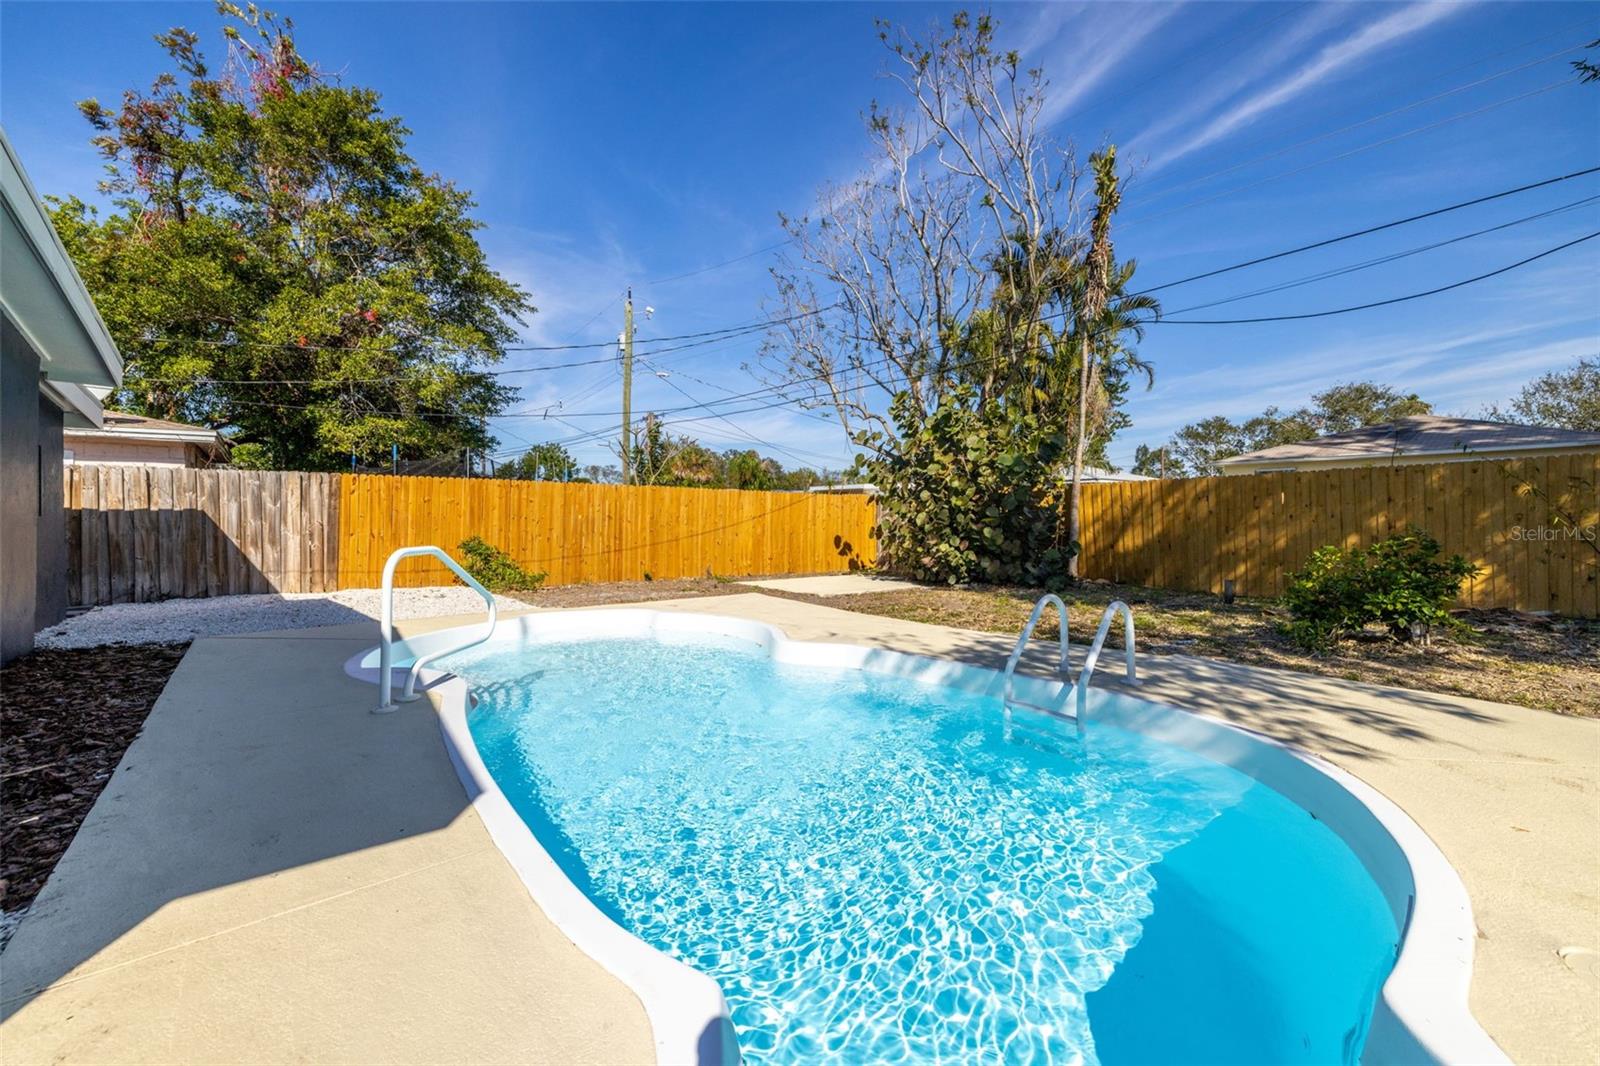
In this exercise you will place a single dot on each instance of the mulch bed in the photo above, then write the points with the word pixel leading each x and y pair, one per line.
pixel 66 717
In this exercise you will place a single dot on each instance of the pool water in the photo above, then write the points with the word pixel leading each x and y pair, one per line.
pixel 876 869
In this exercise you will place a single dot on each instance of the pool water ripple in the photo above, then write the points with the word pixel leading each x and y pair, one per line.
pixel 879 870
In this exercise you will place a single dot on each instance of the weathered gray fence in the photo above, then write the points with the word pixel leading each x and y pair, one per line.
pixel 140 533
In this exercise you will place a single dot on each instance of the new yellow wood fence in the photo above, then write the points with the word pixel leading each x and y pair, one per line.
pixel 579 533
pixel 1531 525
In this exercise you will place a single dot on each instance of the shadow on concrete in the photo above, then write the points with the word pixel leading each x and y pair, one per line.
pixel 250 765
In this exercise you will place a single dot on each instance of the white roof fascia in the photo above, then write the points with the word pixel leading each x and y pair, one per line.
pixel 74 399
pixel 25 207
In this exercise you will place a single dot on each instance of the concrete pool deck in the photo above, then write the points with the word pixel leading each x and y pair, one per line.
pixel 276 875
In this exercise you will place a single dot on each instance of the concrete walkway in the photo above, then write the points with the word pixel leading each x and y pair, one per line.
pixel 276 875
pixel 833 584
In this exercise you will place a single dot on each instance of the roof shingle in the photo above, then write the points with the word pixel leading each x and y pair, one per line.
pixel 1421 435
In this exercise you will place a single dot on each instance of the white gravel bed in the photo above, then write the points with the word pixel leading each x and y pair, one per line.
pixel 174 621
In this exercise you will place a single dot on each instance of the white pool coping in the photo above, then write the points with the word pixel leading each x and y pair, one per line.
pixel 1421 1014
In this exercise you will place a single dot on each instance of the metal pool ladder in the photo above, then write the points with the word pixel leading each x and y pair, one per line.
pixel 1081 686
pixel 386 702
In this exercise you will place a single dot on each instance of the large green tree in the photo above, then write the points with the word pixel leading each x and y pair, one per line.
pixel 277 266
pixel 1566 399
pixel 542 462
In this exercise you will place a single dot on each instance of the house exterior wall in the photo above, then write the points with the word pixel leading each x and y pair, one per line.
pixel 1477 455
pixel 50 603
pixel 20 472
pixel 143 452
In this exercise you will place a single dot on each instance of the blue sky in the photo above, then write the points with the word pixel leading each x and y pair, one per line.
pixel 618 144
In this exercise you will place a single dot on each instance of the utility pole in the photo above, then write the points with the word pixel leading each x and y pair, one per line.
pixel 626 342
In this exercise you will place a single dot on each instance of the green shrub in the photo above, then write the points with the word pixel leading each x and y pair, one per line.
pixel 496 570
pixel 1399 583
pixel 971 494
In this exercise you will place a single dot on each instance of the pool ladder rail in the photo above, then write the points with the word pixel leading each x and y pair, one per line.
pixel 1081 686
pixel 386 700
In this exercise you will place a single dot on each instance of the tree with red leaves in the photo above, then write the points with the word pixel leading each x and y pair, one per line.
pixel 278 267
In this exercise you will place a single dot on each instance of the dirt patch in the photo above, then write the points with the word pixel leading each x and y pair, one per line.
pixel 1501 655
pixel 66 717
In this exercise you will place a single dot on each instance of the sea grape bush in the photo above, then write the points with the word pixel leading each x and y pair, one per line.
pixel 962 499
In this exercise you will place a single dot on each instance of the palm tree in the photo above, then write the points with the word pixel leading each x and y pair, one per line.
pixel 1103 318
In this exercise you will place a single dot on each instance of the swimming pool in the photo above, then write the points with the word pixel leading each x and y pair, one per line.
pixel 872 862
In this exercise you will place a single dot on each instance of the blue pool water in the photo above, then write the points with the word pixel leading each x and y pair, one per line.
pixel 879 870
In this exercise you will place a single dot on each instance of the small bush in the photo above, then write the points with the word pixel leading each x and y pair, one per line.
pixel 1399 583
pixel 495 569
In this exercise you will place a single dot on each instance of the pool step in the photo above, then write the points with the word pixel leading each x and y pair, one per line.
pixel 1014 702
pixel 1044 730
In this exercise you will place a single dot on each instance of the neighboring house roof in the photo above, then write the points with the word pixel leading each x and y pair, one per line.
pixel 1100 473
pixel 119 425
pixel 1419 435
pixel 861 489
pixel 45 301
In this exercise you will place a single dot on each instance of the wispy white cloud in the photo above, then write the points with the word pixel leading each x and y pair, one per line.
pixel 1225 81
pixel 1088 44
pixel 1329 62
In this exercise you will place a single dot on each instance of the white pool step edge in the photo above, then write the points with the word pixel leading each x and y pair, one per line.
pixel 1421 1015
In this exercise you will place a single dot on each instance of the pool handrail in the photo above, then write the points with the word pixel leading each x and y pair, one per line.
pixel 1022 642
pixel 1082 684
pixel 1132 676
pixel 386 702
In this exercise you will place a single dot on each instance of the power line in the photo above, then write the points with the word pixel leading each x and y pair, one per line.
pixel 754 326
pixel 1371 229
pixel 751 394
pixel 972 364
pixel 726 262
pixel 736 427
pixel 708 338
pixel 1392 257
pixel 746 329
pixel 1376 303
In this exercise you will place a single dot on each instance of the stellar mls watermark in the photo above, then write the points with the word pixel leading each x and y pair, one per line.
pixel 1544 534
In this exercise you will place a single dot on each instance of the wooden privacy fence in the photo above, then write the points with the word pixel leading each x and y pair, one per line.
pixel 579 533
pixel 139 533
pixel 1510 518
